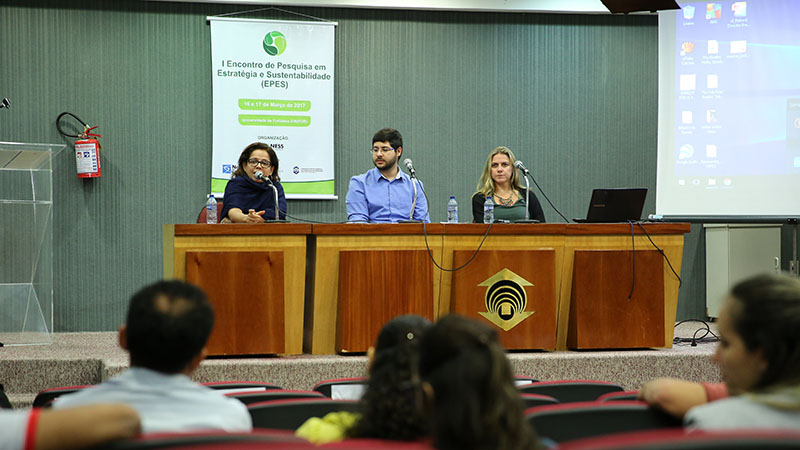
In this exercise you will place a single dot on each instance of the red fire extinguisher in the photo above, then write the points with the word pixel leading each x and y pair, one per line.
pixel 87 149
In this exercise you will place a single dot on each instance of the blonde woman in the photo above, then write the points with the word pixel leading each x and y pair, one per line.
pixel 500 180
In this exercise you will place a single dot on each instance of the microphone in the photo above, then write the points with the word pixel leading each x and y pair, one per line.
pixel 521 167
pixel 260 176
pixel 410 167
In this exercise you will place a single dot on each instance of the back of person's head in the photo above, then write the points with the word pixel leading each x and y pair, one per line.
pixel 168 324
pixel 475 402
pixel 389 135
pixel 392 401
pixel 766 314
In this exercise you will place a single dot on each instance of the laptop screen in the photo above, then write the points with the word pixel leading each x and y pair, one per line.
pixel 616 205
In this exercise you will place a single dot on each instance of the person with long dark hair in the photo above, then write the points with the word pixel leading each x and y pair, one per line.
pixel 391 405
pixel 471 397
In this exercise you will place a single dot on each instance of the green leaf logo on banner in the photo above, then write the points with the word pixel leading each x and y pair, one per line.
pixel 274 43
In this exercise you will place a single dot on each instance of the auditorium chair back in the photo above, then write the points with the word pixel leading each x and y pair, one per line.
pixel 571 390
pixel 275 394
pixel 678 439
pixel 45 398
pixel 577 420
pixel 290 414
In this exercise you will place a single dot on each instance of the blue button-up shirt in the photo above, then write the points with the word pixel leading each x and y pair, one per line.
pixel 373 198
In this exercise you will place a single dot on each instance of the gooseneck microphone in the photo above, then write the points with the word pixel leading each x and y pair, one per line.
pixel 521 167
pixel 260 176
pixel 518 164
pixel 410 167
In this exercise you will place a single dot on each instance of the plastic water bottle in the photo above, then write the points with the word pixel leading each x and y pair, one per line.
pixel 488 210
pixel 211 209
pixel 452 210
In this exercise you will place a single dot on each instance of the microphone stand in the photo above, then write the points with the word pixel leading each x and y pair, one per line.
pixel 277 209
pixel 413 203
pixel 527 200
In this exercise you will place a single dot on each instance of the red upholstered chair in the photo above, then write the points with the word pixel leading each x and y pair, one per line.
pixel 328 388
pixel 532 400
pixel 201 218
pixel 274 394
pixel 571 390
pixel 45 398
pixel 290 414
pixel 614 396
pixel 241 386
pixel 577 420
pixel 214 440
pixel 678 439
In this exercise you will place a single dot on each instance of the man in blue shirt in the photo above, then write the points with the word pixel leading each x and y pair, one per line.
pixel 165 334
pixel 385 194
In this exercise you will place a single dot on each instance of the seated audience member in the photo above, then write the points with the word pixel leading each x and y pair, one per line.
pixel 66 429
pixel 165 333
pixel 759 358
pixel 248 197
pixel 676 397
pixel 500 180
pixel 469 386
pixel 390 405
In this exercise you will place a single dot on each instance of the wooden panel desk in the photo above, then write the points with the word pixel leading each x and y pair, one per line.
pixel 254 276
pixel 540 251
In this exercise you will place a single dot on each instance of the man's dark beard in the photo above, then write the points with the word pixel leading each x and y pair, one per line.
pixel 388 167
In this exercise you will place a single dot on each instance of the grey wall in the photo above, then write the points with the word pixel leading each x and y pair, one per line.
pixel 574 96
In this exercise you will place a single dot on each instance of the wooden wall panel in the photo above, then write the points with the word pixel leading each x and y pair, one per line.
pixel 247 292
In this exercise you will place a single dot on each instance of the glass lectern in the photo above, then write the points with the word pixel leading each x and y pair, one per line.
pixel 26 240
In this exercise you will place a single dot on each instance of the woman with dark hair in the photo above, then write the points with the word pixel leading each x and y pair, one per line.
pixel 249 197
pixel 759 357
pixel 391 406
pixel 470 391
pixel 500 180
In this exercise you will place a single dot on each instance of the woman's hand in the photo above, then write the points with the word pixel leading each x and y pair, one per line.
pixel 254 216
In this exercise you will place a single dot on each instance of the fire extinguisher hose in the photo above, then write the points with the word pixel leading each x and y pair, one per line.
pixel 86 127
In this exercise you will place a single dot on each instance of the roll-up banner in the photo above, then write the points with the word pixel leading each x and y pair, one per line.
pixel 273 83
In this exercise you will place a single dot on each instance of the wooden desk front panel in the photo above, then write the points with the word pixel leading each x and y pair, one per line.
pixel 531 273
pixel 671 244
pixel 326 276
pixel 246 291
pixel 293 248
pixel 376 286
pixel 617 302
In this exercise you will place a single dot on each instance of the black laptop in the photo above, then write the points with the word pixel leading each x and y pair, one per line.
pixel 615 205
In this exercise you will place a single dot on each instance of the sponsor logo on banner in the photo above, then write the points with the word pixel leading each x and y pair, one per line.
pixel 506 299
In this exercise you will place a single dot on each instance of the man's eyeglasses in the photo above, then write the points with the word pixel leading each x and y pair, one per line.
pixel 382 149
pixel 255 162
